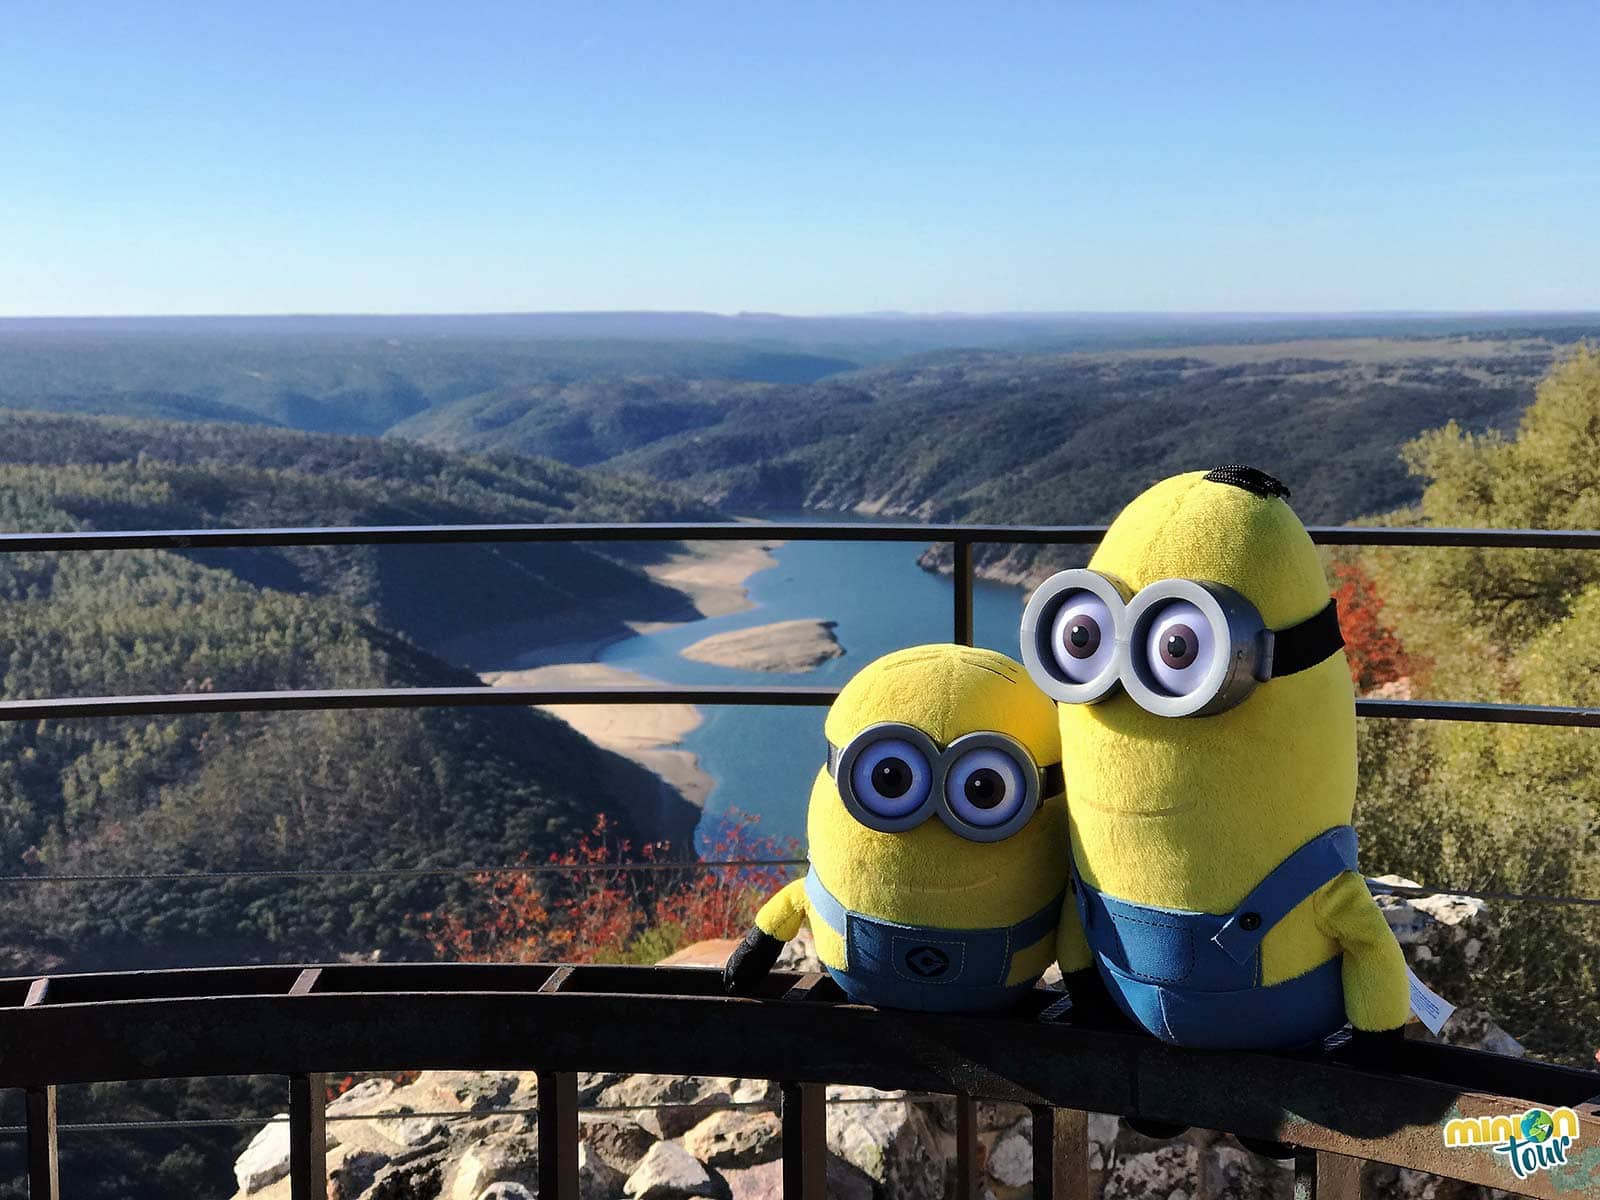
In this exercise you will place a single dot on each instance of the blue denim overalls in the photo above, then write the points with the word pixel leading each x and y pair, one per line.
pixel 1194 978
pixel 935 970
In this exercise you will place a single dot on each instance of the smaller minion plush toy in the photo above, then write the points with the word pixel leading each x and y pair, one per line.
pixel 938 833
pixel 1206 703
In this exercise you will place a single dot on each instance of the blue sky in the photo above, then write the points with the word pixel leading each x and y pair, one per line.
pixel 800 158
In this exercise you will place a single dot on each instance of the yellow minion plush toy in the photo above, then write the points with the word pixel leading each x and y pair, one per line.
pixel 935 832
pixel 1207 708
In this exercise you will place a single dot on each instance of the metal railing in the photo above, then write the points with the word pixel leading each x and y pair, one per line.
pixel 301 1021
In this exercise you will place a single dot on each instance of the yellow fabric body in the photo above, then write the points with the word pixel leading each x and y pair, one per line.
pixel 781 916
pixel 1193 812
pixel 929 876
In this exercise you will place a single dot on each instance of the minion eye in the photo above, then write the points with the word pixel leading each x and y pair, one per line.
pixel 1179 646
pixel 1073 631
pixel 985 788
pixel 1082 637
pixel 891 778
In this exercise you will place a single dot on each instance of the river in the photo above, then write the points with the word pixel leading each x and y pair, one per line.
pixel 763 759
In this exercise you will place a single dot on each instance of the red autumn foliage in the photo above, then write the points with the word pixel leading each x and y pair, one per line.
pixel 1375 653
pixel 605 901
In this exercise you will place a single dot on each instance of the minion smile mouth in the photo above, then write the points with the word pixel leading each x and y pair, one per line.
pixel 945 891
pixel 1133 807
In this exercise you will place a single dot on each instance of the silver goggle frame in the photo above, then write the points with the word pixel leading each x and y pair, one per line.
pixel 1242 657
pixel 841 765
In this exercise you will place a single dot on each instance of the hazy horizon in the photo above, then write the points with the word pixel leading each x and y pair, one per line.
pixel 844 315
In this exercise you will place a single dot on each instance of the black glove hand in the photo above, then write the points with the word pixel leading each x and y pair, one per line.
pixel 1091 1002
pixel 750 961
pixel 1377 1048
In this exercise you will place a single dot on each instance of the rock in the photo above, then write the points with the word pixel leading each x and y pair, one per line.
pixel 597 1179
pixel 618 1140
pixel 266 1159
pixel 503 1158
pixel 1011 1158
pixel 669 1172
pixel 366 1096
pixel 1167 1172
pixel 1444 937
pixel 419 1179
pixel 692 1098
pixel 351 1172
pixel 1475 1029
pixel 765 1182
pixel 1233 1173
pixel 591 1084
pixel 1103 1130
pixel 800 953
pixel 889 1140
pixel 736 1138
pixel 473 1091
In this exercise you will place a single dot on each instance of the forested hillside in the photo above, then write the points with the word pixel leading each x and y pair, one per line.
pixel 1001 437
pixel 353 381
pixel 302 790
pixel 106 474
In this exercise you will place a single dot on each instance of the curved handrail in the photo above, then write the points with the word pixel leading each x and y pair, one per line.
pixel 299 1021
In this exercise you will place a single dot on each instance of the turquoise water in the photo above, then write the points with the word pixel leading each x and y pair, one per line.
pixel 763 760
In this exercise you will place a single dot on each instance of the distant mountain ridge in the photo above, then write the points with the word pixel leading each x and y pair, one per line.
pixel 998 437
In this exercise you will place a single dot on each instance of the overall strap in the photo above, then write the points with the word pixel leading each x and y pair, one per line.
pixel 1324 857
pixel 1046 921
pixel 824 903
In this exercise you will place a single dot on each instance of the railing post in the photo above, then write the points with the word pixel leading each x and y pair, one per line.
pixel 1060 1153
pixel 44 1171
pixel 961 577
pixel 968 1185
pixel 558 1135
pixel 308 1137
pixel 805 1142
pixel 1319 1175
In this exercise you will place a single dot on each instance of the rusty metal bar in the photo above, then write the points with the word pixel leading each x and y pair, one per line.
pixel 308 1137
pixel 1060 1153
pixel 677 1021
pixel 1338 1177
pixel 44 1167
pixel 558 1133
pixel 961 593
pixel 969 1182
pixel 737 531
pixel 805 1141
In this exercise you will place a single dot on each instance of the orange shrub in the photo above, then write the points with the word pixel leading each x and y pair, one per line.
pixel 612 903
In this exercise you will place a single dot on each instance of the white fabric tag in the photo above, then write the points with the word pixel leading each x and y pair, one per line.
pixel 1432 1009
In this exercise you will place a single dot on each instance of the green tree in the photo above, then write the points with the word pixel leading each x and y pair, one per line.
pixel 1505 807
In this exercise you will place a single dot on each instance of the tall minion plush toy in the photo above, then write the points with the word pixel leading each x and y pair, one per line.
pixel 935 830
pixel 1207 708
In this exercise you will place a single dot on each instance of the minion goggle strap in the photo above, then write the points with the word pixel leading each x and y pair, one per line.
pixel 1180 647
pixel 983 786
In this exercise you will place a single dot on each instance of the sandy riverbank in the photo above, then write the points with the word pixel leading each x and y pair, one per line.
pixel 713 575
pixel 787 646
pixel 647 733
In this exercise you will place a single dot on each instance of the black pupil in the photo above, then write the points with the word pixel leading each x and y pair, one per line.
pixel 892 778
pixel 985 788
pixel 1083 637
pixel 1180 648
